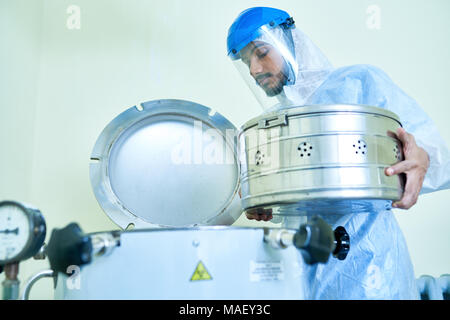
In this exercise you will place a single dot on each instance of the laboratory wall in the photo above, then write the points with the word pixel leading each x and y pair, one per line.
pixel 68 67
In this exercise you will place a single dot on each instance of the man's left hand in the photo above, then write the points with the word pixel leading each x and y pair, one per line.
pixel 415 166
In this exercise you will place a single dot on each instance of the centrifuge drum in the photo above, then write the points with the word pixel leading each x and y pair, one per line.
pixel 307 156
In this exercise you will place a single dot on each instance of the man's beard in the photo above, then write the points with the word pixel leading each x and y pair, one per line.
pixel 273 90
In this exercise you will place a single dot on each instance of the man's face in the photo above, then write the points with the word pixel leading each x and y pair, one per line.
pixel 266 66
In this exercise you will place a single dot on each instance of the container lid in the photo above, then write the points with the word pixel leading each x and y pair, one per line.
pixel 167 163
pixel 318 109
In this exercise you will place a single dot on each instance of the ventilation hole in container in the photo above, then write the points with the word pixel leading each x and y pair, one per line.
pixel 259 158
pixel 304 147
pixel 361 145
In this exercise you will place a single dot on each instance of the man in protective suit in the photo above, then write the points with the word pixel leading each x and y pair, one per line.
pixel 284 68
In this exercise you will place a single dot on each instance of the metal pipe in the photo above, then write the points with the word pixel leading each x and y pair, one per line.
pixel 34 279
pixel 11 283
pixel 279 238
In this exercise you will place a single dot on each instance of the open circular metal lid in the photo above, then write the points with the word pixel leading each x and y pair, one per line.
pixel 167 163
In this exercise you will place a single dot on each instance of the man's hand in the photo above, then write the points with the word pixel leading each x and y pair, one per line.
pixel 258 214
pixel 415 166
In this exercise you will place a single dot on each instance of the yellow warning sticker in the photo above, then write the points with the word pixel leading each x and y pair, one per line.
pixel 200 273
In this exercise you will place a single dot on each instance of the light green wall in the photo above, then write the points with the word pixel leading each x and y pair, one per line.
pixel 60 87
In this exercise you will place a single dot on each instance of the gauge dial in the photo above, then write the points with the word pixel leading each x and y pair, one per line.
pixel 21 230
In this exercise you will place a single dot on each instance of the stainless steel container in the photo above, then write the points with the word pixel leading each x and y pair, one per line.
pixel 330 157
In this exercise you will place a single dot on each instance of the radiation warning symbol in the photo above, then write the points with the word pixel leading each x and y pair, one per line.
pixel 201 273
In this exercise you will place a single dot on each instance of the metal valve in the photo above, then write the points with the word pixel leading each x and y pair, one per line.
pixel 70 246
pixel 315 240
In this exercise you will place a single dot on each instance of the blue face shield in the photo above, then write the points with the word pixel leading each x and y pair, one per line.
pixel 280 65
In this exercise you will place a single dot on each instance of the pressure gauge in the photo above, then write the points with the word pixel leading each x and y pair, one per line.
pixel 22 232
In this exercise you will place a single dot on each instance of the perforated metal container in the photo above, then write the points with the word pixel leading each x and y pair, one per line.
pixel 329 157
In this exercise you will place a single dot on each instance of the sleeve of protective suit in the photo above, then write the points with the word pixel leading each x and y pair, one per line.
pixel 365 84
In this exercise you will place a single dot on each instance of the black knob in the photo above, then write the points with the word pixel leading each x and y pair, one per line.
pixel 342 243
pixel 69 246
pixel 315 240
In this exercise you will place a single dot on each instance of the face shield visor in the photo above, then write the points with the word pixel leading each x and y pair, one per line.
pixel 268 65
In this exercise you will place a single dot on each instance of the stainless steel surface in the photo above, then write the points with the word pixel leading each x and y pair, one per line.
pixel 34 279
pixel 168 163
pixel 322 156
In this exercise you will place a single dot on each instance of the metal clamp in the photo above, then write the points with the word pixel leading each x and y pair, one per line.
pixel 280 120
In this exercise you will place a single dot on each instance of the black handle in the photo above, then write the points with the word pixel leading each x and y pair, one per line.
pixel 69 246
pixel 315 240
pixel 342 243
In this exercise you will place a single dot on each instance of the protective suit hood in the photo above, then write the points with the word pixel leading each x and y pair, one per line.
pixel 304 68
